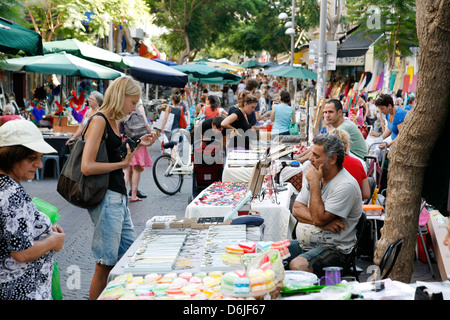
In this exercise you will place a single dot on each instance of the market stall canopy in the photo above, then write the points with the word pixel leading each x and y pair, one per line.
pixel 250 64
pixel 167 63
pixel 275 68
pixel 86 51
pixel 201 72
pixel 294 72
pixel 149 71
pixel 14 37
pixel 61 64
pixel 356 44
pixel 215 80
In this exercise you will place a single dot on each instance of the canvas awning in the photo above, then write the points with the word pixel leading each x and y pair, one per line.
pixel 356 44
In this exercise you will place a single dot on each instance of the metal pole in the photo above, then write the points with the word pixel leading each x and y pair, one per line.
pixel 322 50
pixel 294 80
pixel 292 35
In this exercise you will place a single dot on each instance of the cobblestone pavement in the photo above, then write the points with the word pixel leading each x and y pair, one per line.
pixel 75 260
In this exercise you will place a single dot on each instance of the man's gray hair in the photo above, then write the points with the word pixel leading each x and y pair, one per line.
pixel 332 145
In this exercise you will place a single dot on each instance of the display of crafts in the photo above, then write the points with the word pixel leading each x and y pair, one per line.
pixel 262 276
pixel 243 252
pixel 263 272
pixel 222 194
pixel 156 252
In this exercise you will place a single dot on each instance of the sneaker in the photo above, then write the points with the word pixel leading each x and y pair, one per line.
pixel 139 194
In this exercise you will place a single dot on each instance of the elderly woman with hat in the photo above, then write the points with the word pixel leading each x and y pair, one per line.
pixel 28 240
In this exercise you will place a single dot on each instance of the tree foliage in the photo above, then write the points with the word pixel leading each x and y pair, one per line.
pixel 394 19
pixel 248 26
pixel 85 20
pixel 197 24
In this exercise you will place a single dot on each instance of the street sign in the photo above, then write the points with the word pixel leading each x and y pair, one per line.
pixel 331 54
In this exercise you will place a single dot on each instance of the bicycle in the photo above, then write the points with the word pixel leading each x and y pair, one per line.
pixel 169 169
pixel 184 159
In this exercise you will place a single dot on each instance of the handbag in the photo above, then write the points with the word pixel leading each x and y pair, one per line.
pixel 80 190
pixel 169 122
pixel 183 122
pixel 135 126
pixel 293 127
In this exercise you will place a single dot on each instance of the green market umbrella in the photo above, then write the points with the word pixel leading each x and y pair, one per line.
pixel 294 72
pixel 249 64
pixel 88 52
pixel 201 71
pixel 14 37
pixel 61 64
pixel 215 80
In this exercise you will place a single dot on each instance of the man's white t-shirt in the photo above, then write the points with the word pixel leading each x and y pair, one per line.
pixel 342 197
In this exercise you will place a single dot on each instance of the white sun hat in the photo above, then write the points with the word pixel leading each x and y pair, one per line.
pixel 25 133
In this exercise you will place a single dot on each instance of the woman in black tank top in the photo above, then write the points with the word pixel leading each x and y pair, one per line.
pixel 238 123
pixel 121 98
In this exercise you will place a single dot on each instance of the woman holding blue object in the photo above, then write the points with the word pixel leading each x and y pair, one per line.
pixel 395 117
pixel 28 240
pixel 282 114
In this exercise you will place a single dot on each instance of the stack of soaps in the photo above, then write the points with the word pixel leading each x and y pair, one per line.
pixel 234 252
pixel 282 247
pixel 261 281
pixel 239 283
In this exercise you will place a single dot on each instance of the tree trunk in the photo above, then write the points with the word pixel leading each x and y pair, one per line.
pixel 187 51
pixel 409 155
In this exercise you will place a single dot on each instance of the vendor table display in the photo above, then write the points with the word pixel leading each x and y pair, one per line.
pixel 219 199
pixel 175 249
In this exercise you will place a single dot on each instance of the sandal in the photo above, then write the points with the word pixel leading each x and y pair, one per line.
pixel 135 200
pixel 139 194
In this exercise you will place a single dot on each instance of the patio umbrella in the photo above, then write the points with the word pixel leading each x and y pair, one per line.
pixel 14 37
pixel 149 71
pixel 294 72
pixel 61 64
pixel 201 71
pixel 87 51
pixel 249 64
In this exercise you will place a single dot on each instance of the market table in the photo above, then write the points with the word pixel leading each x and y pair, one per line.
pixel 278 221
pixel 182 249
pixel 58 142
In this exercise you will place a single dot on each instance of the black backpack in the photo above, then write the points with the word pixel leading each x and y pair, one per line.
pixel 135 126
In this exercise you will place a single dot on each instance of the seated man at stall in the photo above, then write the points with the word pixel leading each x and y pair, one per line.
pixel 327 209
pixel 334 116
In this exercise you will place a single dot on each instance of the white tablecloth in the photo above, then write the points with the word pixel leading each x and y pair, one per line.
pixel 239 166
pixel 278 220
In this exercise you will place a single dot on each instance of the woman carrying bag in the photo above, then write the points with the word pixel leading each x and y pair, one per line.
pixel 113 228
pixel 282 115
pixel 28 240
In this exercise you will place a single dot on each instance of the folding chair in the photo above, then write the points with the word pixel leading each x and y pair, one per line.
pixel 390 256
pixel 350 264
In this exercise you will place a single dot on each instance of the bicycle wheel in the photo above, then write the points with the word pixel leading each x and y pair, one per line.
pixel 166 182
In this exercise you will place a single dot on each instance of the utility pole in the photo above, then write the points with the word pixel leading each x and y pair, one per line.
pixel 322 50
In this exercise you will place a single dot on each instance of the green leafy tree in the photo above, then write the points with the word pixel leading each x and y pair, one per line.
pixel 85 20
pixel 12 10
pixel 395 20
pixel 266 32
pixel 195 25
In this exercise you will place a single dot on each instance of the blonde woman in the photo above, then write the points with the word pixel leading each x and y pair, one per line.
pixel 113 228
pixel 95 101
